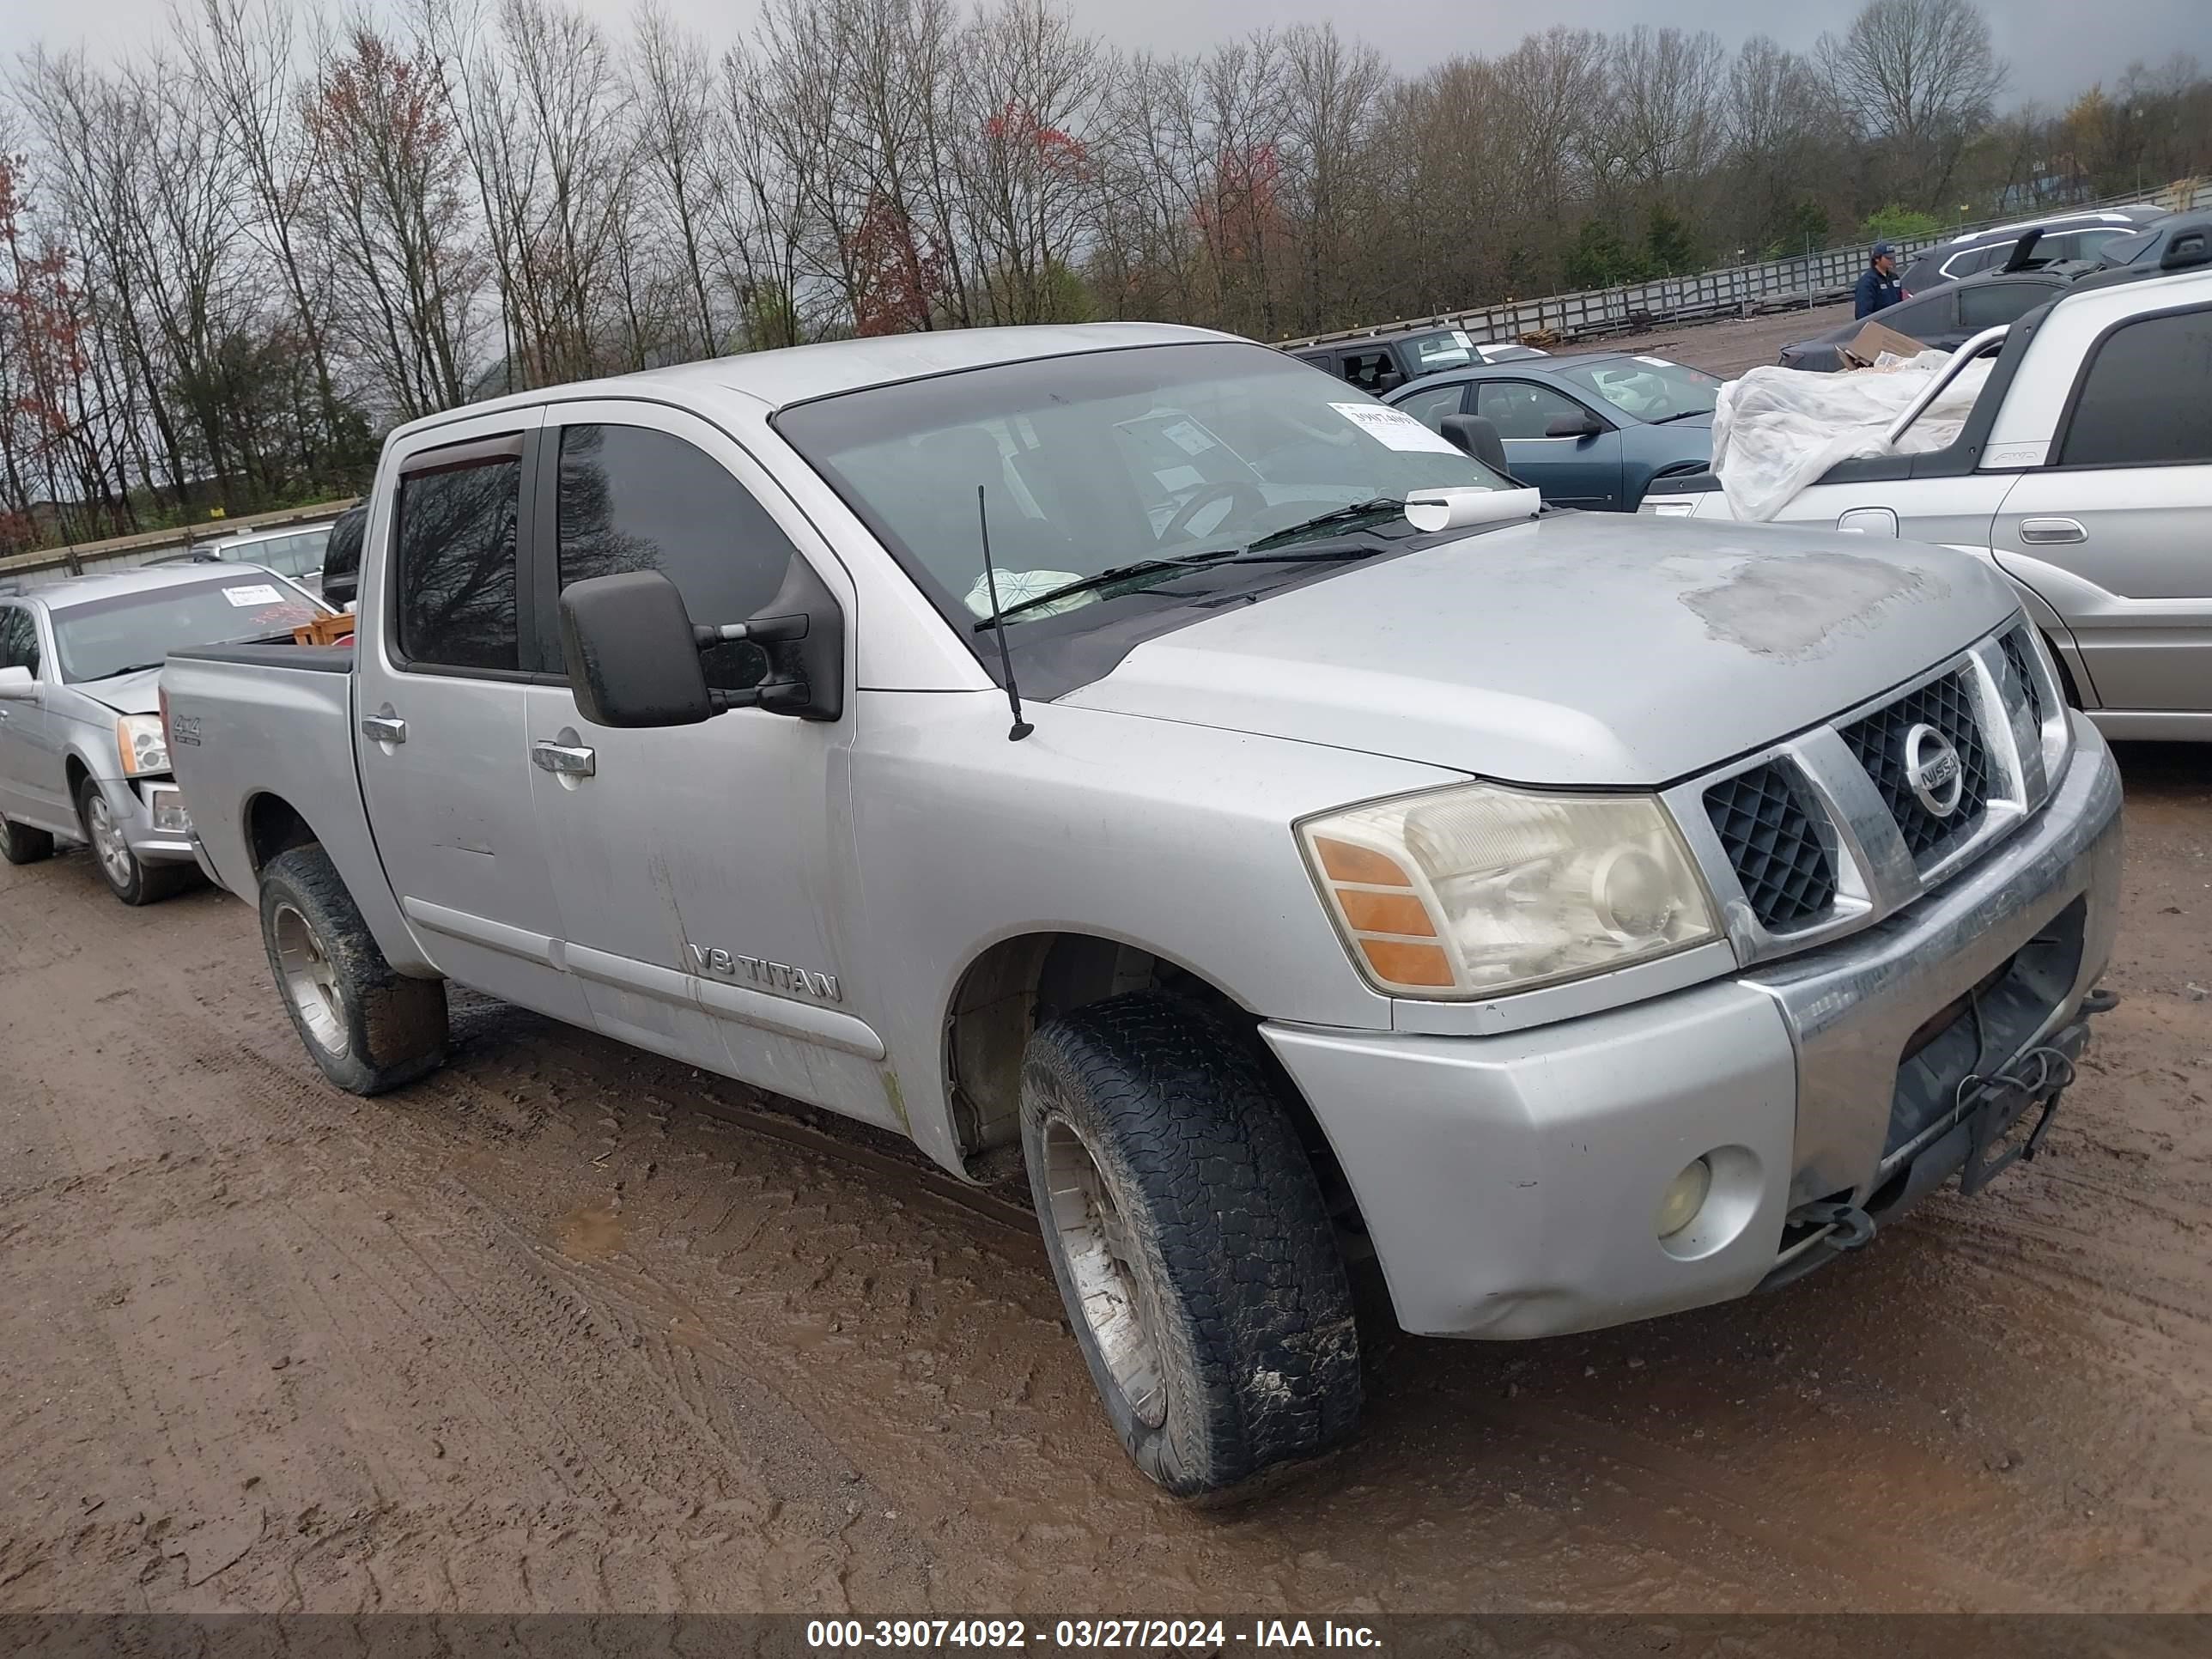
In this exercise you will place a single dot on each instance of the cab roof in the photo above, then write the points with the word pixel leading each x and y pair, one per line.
pixel 796 374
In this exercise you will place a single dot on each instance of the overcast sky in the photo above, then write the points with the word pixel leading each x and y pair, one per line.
pixel 2056 46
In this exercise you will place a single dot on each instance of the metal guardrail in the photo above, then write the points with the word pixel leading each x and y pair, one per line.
pixel 25 571
pixel 1732 290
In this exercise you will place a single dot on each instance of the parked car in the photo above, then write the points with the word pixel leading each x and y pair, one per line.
pixel 2061 237
pixel 1588 917
pixel 294 552
pixel 1383 362
pixel 2083 473
pixel 342 558
pixel 2180 241
pixel 1943 320
pixel 83 754
pixel 1589 431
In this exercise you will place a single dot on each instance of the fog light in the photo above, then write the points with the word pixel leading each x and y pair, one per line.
pixel 1685 1197
pixel 170 817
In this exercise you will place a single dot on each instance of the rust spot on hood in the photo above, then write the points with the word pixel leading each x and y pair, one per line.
pixel 1793 606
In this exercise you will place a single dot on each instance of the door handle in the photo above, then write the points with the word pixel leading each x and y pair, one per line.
pixel 384 728
pixel 2050 532
pixel 565 760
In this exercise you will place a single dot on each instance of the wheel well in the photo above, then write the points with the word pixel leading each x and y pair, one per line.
pixel 273 825
pixel 2067 688
pixel 1020 983
pixel 76 773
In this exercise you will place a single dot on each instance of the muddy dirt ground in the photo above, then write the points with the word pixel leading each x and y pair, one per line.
pixel 567 1326
pixel 1730 348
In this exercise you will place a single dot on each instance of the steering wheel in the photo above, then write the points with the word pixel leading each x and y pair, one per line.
pixel 1234 491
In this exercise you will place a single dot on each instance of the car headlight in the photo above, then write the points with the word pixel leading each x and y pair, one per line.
pixel 143 743
pixel 1475 892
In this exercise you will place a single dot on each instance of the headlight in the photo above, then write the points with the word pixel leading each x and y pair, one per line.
pixel 144 745
pixel 1475 892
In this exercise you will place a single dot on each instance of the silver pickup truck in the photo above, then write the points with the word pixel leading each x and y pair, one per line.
pixel 1290 845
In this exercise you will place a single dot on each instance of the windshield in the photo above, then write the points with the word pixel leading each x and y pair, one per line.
pixel 1449 348
pixel 2126 250
pixel 1093 462
pixel 1649 388
pixel 137 630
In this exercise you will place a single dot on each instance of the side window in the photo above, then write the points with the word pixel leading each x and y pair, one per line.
pixel 1522 409
pixel 1987 305
pixel 1370 371
pixel 1924 316
pixel 2142 400
pixel 19 638
pixel 635 499
pixel 1430 407
pixel 457 564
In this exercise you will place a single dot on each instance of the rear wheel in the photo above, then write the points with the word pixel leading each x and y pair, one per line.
pixel 1191 1242
pixel 128 877
pixel 21 844
pixel 368 1028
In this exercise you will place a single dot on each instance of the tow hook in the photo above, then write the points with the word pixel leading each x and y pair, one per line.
pixel 1853 1226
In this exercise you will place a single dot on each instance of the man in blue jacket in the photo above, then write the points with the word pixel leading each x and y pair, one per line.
pixel 1878 284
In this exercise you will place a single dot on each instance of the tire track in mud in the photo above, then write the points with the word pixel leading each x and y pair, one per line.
pixel 567 1326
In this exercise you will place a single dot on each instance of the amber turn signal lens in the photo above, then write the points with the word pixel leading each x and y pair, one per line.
pixel 1407 964
pixel 1341 862
pixel 1385 913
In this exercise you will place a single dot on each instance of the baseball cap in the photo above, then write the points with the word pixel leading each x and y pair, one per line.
pixel 1883 250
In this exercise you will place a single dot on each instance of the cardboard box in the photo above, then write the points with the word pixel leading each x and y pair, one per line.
pixel 1871 342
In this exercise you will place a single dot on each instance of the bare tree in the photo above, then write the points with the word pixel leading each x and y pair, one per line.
pixel 1921 77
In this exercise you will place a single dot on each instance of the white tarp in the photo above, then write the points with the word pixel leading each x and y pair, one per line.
pixel 1777 429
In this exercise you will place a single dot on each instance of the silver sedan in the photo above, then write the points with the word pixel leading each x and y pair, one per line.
pixel 83 754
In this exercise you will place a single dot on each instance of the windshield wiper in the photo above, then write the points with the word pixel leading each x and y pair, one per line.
pixel 1367 509
pixel 1683 415
pixel 135 668
pixel 1103 579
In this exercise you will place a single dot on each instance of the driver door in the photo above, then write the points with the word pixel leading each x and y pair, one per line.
pixel 33 788
pixel 701 868
pixel 1570 471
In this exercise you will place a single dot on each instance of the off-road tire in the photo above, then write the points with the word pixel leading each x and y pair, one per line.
pixel 130 877
pixel 381 1028
pixel 1233 1264
pixel 21 844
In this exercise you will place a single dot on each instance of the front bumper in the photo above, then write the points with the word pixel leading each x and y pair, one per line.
pixel 1509 1184
pixel 153 819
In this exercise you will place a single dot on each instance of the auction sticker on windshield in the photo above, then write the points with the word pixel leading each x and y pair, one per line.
pixel 259 593
pixel 1393 428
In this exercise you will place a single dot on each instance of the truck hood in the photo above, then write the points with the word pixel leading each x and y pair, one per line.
pixel 126 694
pixel 1577 649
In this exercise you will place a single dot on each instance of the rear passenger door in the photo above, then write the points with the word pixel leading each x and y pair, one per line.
pixel 2116 534
pixel 439 705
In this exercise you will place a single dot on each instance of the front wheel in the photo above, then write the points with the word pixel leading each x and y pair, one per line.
pixel 368 1028
pixel 1191 1242
pixel 128 877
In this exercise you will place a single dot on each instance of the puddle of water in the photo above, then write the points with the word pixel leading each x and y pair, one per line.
pixel 591 1232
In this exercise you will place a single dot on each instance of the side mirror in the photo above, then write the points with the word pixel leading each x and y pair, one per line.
pixel 17 685
pixel 1477 435
pixel 1575 426
pixel 633 652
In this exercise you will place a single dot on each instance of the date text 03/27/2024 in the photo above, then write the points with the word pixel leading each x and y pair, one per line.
pixel 1186 1635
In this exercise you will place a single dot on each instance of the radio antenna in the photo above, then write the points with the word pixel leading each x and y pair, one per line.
pixel 1022 727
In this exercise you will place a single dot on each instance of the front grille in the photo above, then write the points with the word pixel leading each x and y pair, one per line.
pixel 1878 742
pixel 1774 846
pixel 2014 646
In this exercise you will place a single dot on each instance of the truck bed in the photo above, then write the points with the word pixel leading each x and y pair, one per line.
pixel 261 738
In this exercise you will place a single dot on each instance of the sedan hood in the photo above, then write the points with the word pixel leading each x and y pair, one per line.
pixel 139 693
pixel 1577 649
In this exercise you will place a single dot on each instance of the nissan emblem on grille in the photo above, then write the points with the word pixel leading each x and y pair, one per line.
pixel 1932 768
